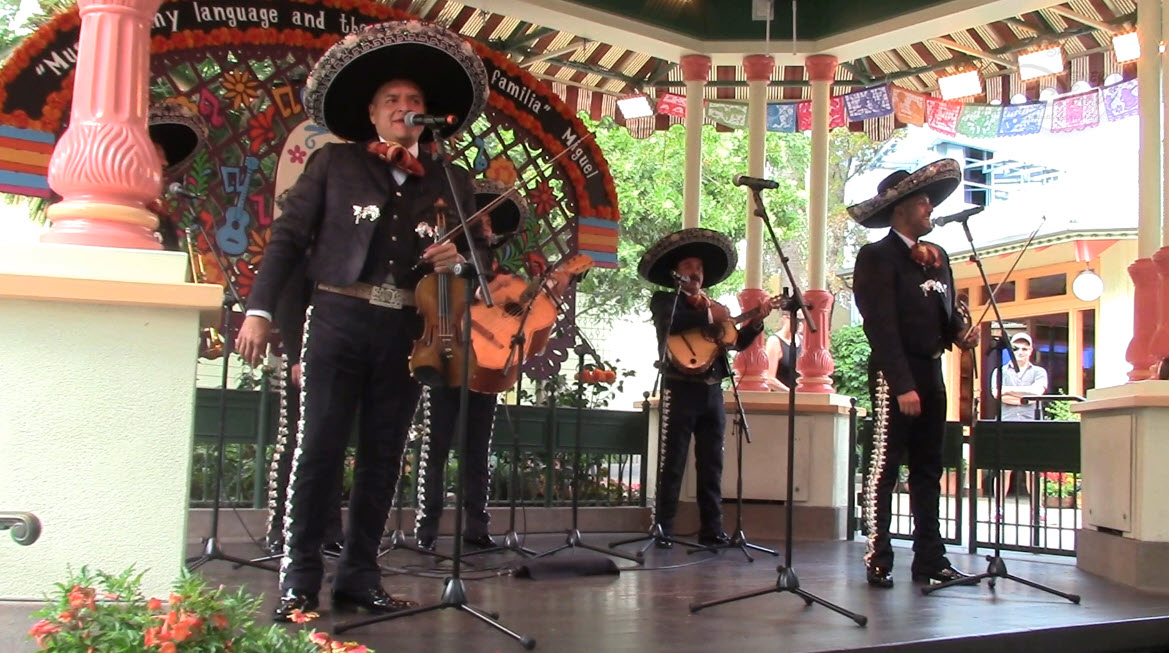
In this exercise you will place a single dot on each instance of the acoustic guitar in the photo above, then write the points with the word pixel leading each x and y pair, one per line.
pixel 693 351
pixel 522 312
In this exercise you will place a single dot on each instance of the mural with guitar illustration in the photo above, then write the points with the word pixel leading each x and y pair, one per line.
pixel 245 79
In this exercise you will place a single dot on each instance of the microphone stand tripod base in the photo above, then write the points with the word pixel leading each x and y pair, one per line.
pixel 786 582
pixel 655 536
pixel 738 541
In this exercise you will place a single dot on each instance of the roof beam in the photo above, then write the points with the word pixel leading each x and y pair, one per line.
pixel 421 8
pixel 552 54
pixel 1079 18
pixel 975 52
pixel 569 82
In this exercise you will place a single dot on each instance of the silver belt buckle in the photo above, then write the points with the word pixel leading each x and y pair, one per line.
pixel 387 296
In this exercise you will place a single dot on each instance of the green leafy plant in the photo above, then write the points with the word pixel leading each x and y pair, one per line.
pixel 850 350
pixel 1061 410
pixel 94 612
pixel 1060 484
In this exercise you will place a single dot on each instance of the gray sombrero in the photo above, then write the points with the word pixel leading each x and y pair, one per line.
pixel 937 180
pixel 179 131
pixel 715 249
pixel 507 216
pixel 443 64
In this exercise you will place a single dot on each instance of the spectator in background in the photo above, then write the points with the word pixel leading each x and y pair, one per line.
pixel 1029 380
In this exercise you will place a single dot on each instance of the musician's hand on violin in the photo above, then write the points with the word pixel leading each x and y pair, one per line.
pixel 442 256
pixel 252 340
pixel 719 313
pixel 909 403
pixel 765 308
pixel 970 340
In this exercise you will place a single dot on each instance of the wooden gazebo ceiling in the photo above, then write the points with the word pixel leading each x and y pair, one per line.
pixel 594 51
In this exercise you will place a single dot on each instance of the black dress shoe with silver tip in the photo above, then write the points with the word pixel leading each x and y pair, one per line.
pixel 428 543
pixel 483 541
pixel 879 577
pixel 374 599
pixel 292 601
pixel 943 575
pixel 663 543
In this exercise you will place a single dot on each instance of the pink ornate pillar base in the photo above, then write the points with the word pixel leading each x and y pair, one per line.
pixel 104 165
pixel 1159 339
pixel 1145 309
pixel 751 363
pixel 816 365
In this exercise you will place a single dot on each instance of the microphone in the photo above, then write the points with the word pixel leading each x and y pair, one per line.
pixel 175 188
pixel 961 216
pixel 755 183
pixel 680 278
pixel 426 120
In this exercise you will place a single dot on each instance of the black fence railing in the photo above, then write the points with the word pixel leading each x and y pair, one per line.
pixel 1041 507
pixel 613 450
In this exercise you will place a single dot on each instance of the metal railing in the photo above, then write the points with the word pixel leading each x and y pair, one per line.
pixel 25 526
pixel 613 447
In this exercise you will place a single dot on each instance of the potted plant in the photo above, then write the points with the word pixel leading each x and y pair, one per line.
pixel 1060 489
pixel 102 612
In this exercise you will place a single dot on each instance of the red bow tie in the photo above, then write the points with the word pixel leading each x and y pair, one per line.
pixel 926 255
pixel 397 156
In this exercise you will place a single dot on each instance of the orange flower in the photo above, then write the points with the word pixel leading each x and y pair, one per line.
pixel 320 639
pixel 240 87
pixel 303 617
pixel 153 604
pixel 43 629
pixel 154 636
pixel 167 647
pixel 219 621
pixel 502 169
pixel 186 626
pixel 82 597
pixel 260 129
pixel 175 599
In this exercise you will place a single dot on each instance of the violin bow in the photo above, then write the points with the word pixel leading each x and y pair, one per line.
pixel 513 190
pixel 1007 276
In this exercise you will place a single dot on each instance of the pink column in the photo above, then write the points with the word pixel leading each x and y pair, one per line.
pixel 105 166
pixel 816 365
pixel 1159 340
pixel 1145 309
pixel 752 363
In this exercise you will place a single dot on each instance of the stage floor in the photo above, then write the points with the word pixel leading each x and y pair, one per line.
pixel 647 609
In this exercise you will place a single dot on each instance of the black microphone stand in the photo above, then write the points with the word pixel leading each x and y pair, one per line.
pixel 787 580
pixel 739 539
pixel 996 567
pixel 454 592
pixel 657 535
pixel 231 297
pixel 573 539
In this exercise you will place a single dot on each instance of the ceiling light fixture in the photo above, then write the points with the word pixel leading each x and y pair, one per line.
pixel 1041 63
pixel 635 106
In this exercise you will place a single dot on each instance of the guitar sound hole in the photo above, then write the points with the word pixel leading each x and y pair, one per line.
pixel 513 309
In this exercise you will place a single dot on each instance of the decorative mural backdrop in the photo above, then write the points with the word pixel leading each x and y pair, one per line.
pixel 241 64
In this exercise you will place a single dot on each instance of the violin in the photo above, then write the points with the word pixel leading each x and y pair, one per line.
pixel 437 357
pixel 968 363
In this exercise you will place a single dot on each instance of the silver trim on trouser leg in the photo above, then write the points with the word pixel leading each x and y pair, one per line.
pixel 663 427
pixel 421 431
pixel 286 559
pixel 876 463
pixel 281 382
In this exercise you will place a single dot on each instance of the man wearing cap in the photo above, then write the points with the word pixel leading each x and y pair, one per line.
pixel 1029 380
pixel 688 261
pixel 904 289
pixel 363 207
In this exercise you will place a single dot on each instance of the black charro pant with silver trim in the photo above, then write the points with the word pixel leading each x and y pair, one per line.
pixel 919 440
pixel 693 407
pixel 355 359
pixel 444 413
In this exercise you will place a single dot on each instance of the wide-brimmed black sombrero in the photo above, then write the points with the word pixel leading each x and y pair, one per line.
pixel 443 65
pixel 179 131
pixel 715 249
pixel 507 216
pixel 937 180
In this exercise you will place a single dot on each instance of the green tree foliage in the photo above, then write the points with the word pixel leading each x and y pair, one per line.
pixel 850 350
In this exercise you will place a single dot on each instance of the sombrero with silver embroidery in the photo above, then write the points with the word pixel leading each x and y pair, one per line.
pixel 443 65
pixel 507 216
pixel 179 131
pixel 937 180
pixel 715 249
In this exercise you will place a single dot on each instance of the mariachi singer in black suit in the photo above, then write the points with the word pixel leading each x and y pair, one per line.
pixel 904 289
pixel 364 208
pixel 693 403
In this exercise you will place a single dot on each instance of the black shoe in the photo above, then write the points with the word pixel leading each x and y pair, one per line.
pixel 428 543
pixel 332 549
pixel 879 577
pixel 292 601
pixel 374 599
pixel 663 543
pixel 483 541
pixel 718 539
pixel 943 575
